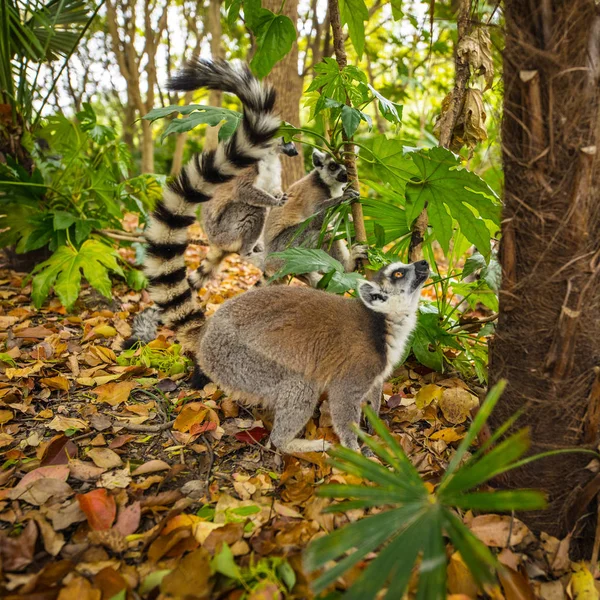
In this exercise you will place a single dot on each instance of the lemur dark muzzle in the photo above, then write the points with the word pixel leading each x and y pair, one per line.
pixel 342 176
pixel 422 269
pixel 289 149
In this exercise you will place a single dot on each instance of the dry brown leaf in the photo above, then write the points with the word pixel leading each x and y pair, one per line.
pixel 152 466
pixel 53 542
pixel 190 578
pixel 105 458
pixel 80 588
pixel 16 553
pixel 115 479
pixel 456 404
pixel 493 530
pixel 460 580
pixel 6 416
pixel 60 423
pixel 192 413
pixel 84 470
pixel 476 48
pixel 56 383
pixel 41 490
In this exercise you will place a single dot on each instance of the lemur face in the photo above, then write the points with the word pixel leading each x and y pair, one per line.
pixel 287 148
pixel 330 171
pixel 396 288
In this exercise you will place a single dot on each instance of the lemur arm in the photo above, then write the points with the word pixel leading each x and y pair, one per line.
pixel 248 193
pixel 317 222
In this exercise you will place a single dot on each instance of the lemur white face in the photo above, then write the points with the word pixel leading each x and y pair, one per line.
pixel 331 172
pixel 396 289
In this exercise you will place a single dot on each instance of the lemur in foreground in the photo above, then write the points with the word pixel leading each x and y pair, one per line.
pixel 278 346
pixel 234 218
pixel 311 196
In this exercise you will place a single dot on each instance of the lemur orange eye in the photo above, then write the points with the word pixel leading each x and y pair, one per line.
pixel 398 275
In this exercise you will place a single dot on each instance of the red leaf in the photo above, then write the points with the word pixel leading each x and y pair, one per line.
pixel 251 436
pixel 121 440
pixel 99 507
pixel 59 451
pixel 198 428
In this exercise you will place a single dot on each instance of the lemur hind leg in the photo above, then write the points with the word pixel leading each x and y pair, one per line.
pixel 295 405
pixel 209 265
pixel 345 406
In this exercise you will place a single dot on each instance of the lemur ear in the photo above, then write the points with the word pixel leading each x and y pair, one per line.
pixel 318 158
pixel 371 294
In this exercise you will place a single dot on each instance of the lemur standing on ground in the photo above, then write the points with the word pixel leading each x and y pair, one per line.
pixel 279 346
pixel 234 218
pixel 311 196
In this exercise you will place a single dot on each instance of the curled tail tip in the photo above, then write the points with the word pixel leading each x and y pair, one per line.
pixel 199 277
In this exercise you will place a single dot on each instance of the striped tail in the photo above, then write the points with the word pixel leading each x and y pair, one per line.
pixel 166 232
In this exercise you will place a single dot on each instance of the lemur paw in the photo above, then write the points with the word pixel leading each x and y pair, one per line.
pixel 281 199
pixel 359 251
pixel 351 194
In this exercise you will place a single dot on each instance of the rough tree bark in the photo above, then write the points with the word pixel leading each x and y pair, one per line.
pixel 288 83
pixel 447 120
pixel 333 9
pixel 215 97
pixel 547 343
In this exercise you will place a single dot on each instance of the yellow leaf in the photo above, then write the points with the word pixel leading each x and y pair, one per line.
pixel 24 372
pixel 191 414
pixel 105 331
pixel 114 393
pixel 582 583
pixel 56 383
pixel 448 435
pixel 5 416
pixel 427 394
pixel 60 423
pixel 460 580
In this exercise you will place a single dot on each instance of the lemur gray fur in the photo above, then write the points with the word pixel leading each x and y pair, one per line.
pixel 234 218
pixel 311 196
pixel 279 346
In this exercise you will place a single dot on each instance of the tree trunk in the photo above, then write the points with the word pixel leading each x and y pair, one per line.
pixel 548 340
pixel 216 49
pixel 288 83
pixel 147 148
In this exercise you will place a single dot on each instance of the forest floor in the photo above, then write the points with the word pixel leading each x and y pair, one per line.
pixel 117 480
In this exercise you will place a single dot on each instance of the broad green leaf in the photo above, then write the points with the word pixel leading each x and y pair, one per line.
pixel 274 35
pixel 388 495
pixel 355 13
pixel 432 570
pixel 350 120
pixel 451 193
pixel 63 271
pixel 63 219
pixel 391 164
pixel 397 9
pixel 391 111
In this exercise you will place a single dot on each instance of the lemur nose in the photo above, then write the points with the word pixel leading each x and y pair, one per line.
pixel 422 264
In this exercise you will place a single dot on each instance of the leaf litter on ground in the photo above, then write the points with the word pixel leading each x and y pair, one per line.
pixel 117 477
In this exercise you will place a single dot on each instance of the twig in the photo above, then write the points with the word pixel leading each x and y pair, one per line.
pixel 349 159
pixel 147 428
pixel 468 324
pixel 211 461
pixel 122 237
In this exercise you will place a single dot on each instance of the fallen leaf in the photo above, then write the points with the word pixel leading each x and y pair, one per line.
pixel 582 585
pixel 448 435
pixel 6 416
pixel 105 458
pixel 60 423
pixel 115 479
pixel 456 404
pixel 99 507
pixel 460 580
pixel 51 472
pixel 64 515
pixel 192 413
pixel 56 383
pixel 114 393
pixel 265 590
pixel 110 583
pixel 152 466
pixel 121 440
pixel 53 542
pixel 493 530
pixel 227 534
pixel 59 451
pixel 190 577
pixel 428 394
pixel 128 519
pixel 252 436
pixel 80 588
pixel 516 586
pixel 34 332
pixel 17 552
pixel 85 471
pixel 41 490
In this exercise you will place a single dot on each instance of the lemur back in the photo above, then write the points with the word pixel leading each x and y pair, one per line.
pixel 234 219
pixel 311 196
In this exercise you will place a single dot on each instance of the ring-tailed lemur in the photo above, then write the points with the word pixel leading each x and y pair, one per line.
pixel 311 196
pixel 284 346
pixel 166 233
pixel 234 218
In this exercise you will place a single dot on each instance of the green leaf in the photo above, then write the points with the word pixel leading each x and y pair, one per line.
pixel 355 13
pixel 432 571
pixel 275 35
pixel 306 260
pixel 500 500
pixel 286 574
pixel 63 219
pixel 391 164
pixel 224 563
pixel 451 192
pixel 397 13
pixel 350 120
pixel 391 111
pixel 63 271
pixel 151 581
pixel 136 279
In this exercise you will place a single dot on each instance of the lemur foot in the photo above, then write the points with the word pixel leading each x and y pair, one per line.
pixel 281 199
